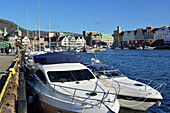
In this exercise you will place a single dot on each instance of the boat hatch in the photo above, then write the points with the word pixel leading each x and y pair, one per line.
pixel 138 84
pixel 91 93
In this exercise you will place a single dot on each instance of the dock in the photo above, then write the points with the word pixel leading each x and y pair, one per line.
pixel 12 85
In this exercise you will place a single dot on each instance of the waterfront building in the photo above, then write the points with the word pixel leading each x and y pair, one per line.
pixel 163 33
pixel 90 37
pixel 80 41
pixel 108 39
pixel 139 34
pixel 70 41
pixel 118 36
pixel 128 36
pixel 148 34
pixel 26 41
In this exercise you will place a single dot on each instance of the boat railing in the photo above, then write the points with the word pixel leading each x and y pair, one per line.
pixel 158 86
pixel 73 92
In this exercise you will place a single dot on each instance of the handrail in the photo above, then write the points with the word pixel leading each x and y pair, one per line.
pixel 7 83
pixel 159 87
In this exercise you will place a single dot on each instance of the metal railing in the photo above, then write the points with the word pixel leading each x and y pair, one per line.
pixel 72 94
pixel 11 73
pixel 158 86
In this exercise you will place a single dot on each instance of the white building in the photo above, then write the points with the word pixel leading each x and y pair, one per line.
pixel 80 41
pixel 72 41
pixel 163 33
pixel 64 41
pixel 26 40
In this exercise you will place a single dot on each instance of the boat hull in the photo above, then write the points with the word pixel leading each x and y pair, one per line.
pixel 49 104
pixel 136 105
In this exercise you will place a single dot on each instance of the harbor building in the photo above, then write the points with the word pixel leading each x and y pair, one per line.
pixel 118 36
pixel 163 33
pixel 90 37
pixel 70 41
pixel 150 37
pixel 108 39
pixel 128 37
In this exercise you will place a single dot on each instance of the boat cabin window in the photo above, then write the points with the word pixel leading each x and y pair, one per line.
pixel 41 75
pixel 69 76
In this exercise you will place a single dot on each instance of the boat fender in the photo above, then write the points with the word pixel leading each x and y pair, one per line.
pixel 30 99
pixel 158 103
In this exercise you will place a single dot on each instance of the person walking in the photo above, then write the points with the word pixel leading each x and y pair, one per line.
pixel 7 50
pixel 2 50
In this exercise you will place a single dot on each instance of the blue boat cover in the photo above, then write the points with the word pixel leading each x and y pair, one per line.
pixel 55 58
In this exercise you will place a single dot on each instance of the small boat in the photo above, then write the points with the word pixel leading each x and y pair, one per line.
pixel 140 48
pixel 90 50
pixel 77 50
pixel 62 84
pixel 148 48
pixel 117 48
pixel 134 93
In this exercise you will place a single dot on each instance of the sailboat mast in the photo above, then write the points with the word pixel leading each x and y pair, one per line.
pixel 27 29
pixel 39 26
pixel 49 34
pixel 35 38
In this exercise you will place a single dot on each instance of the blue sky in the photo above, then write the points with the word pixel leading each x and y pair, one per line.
pixel 78 15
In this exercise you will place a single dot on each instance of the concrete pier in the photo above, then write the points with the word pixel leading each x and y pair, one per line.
pixel 9 102
pixel 5 61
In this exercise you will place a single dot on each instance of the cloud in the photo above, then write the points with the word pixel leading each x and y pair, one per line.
pixel 98 22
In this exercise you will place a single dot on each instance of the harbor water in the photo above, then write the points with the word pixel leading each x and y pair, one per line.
pixel 149 64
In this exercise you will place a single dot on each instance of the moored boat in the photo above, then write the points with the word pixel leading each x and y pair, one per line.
pixel 135 93
pixel 63 84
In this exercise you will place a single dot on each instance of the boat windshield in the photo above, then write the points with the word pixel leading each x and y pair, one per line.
pixel 70 76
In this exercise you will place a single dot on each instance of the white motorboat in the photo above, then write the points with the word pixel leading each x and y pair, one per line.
pixel 148 48
pixel 133 93
pixel 117 48
pixel 139 48
pixel 90 50
pixel 62 84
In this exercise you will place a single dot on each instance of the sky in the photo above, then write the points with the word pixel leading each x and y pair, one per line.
pixel 76 16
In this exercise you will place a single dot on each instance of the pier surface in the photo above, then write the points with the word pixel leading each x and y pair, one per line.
pixel 5 61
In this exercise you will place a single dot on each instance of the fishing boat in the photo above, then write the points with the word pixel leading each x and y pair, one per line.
pixel 61 83
pixel 135 93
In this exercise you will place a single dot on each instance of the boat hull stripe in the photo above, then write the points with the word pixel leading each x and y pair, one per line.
pixel 137 98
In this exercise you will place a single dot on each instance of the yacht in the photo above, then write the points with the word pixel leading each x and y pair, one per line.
pixel 133 93
pixel 62 84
